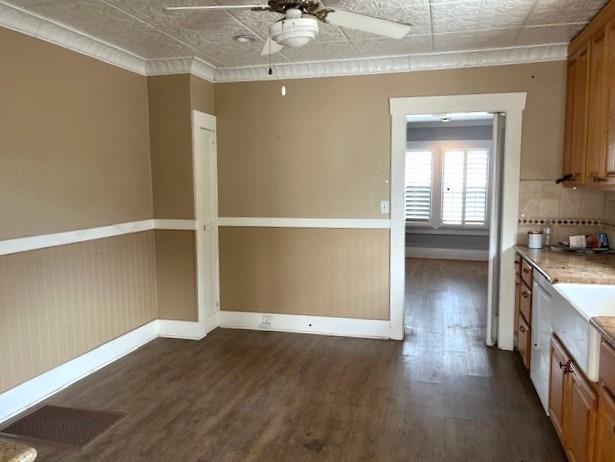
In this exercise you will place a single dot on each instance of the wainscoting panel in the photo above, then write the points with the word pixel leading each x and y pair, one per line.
pixel 60 302
pixel 321 272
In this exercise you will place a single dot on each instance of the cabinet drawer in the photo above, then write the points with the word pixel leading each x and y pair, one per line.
pixel 606 370
pixel 525 303
pixel 525 339
pixel 518 264
pixel 526 272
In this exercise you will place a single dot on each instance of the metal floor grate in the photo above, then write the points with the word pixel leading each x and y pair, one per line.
pixel 74 427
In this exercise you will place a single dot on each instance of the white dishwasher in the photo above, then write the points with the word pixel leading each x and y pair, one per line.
pixel 542 302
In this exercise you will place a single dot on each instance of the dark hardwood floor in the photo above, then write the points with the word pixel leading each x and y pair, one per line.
pixel 260 396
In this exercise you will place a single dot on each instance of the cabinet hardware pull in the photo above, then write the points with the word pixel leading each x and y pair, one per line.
pixel 524 294
pixel 525 270
pixel 523 329
pixel 599 179
pixel 564 365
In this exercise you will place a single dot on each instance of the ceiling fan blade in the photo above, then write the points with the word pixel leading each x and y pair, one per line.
pixel 216 7
pixel 369 24
pixel 271 47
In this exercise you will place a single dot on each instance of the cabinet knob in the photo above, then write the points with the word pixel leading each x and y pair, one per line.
pixel 524 294
pixel 565 366
pixel 525 270
pixel 523 329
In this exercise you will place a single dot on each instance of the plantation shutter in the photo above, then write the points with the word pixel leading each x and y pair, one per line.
pixel 465 187
pixel 418 179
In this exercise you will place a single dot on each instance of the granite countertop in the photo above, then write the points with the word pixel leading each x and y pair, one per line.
pixel 11 451
pixel 606 327
pixel 558 265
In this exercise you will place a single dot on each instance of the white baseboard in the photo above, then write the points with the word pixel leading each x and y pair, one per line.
pixel 181 329
pixel 323 325
pixel 29 393
pixel 447 254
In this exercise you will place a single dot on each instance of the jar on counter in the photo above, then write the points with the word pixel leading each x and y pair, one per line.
pixel 535 239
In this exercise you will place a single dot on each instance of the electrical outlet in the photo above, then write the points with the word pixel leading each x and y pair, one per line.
pixel 384 207
pixel 265 323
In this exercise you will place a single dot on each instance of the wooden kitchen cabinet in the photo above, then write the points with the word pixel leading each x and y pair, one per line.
pixel 589 151
pixel 610 105
pixel 580 418
pixel 576 115
pixel 597 116
pixel 560 367
pixel 605 429
pixel 525 342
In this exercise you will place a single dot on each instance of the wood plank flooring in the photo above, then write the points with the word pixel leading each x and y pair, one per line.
pixel 260 396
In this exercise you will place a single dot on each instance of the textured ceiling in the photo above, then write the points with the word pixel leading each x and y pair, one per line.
pixel 143 28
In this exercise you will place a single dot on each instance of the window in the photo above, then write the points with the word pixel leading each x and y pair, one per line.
pixel 418 186
pixel 464 187
pixel 447 184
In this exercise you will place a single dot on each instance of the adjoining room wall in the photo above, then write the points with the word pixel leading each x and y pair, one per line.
pixel 74 155
pixel 323 151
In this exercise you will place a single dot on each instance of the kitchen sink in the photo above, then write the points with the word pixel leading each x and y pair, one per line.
pixel 571 312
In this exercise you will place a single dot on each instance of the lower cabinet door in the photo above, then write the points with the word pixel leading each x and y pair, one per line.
pixel 560 366
pixel 525 341
pixel 605 450
pixel 581 419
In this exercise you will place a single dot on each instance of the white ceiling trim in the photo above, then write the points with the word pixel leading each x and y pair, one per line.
pixel 36 26
pixel 26 22
pixel 395 64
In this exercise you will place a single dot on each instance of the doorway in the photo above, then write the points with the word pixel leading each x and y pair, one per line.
pixel 502 206
pixel 206 215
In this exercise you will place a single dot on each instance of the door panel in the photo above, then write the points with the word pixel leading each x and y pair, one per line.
pixel 576 115
pixel 610 109
pixel 605 451
pixel 596 129
pixel 560 366
pixel 581 419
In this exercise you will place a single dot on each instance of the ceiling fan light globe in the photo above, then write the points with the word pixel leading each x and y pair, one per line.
pixel 294 33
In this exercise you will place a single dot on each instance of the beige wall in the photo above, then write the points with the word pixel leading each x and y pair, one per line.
pixel 75 148
pixel 324 150
pixel 61 302
pixel 171 145
pixel 325 272
pixel 176 274
pixel 202 95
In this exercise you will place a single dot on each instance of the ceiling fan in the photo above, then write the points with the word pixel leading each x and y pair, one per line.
pixel 299 24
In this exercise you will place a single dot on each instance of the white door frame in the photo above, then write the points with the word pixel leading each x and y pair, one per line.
pixel 203 121
pixel 513 105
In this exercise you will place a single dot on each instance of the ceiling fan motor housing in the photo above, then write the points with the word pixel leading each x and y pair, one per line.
pixel 295 30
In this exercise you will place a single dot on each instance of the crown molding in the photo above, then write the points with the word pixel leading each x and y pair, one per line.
pixel 187 65
pixel 26 22
pixel 396 64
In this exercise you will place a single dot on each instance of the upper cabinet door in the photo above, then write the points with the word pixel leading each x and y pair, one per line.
pixel 610 104
pixel 597 115
pixel 576 115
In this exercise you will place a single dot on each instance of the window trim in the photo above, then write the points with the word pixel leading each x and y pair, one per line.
pixel 437 149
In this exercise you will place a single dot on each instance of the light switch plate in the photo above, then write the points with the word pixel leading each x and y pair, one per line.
pixel 384 207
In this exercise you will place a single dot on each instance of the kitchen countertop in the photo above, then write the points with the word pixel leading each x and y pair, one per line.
pixel 606 327
pixel 11 451
pixel 561 266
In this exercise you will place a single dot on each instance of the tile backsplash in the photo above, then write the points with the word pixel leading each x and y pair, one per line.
pixel 571 211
